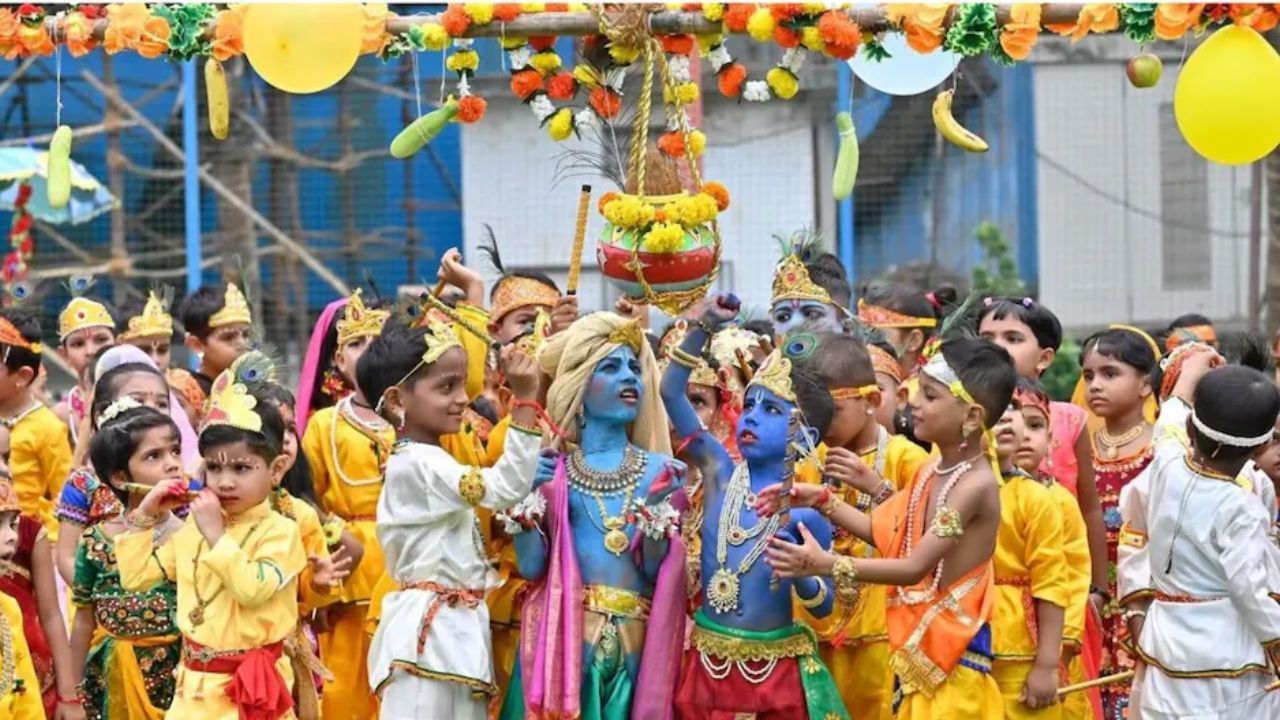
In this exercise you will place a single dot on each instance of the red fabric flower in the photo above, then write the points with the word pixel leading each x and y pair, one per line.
pixel 562 86
pixel 785 37
pixel 605 102
pixel 737 15
pixel 26 9
pixel 506 12
pixel 840 52
pixel 525 83
pixel 672 143
pixel 730 80
pixel 471 108
pixel 455 21
pixel 542 42
pixel 677 44
pixel 785 11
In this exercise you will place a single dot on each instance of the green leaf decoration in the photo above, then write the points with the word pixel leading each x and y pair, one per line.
pixel 412 41
pixel 999 55
pixel 1138 21
pixel 186 22
pixel 973 31
pixel 875 50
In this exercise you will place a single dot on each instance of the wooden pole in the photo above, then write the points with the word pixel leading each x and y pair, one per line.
pixel 1119 677
pixel 293 246
pixel 579 239
pixel 1254 307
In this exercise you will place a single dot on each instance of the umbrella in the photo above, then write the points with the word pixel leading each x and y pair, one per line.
pixel 19 166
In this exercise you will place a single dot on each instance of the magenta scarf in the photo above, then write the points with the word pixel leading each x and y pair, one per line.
pixel 551 644
pixel 311 373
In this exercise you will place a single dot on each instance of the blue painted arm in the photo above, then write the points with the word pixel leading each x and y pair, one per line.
pixel 705 451
pixel 531 554
pixel 807 587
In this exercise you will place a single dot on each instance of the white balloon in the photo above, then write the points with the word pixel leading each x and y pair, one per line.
pixel 905 72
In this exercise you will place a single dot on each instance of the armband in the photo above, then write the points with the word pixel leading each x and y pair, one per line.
pixel 471 487
pixel 816 600
pixel 845 573
pixel 946 523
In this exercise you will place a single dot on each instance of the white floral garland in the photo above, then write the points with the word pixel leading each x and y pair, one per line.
pixel 521 58
pixel 759 90
pixel 657 522
pixel 524 515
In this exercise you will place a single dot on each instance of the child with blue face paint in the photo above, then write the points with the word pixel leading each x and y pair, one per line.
pixel 599 540
pixel 748 655
pixel 810 289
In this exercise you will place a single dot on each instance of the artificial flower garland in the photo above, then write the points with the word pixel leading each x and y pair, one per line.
pixel 662 226
pixel 15 262
pixel 680 91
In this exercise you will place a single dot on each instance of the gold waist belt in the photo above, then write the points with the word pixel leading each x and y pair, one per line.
pixel 615 602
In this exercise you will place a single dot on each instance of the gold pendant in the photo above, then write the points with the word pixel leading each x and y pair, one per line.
pixel 1111 452
pixel 196 616
pixel 722 591
pixel 616 542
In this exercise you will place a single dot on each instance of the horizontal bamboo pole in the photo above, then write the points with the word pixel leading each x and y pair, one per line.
pixel 665 22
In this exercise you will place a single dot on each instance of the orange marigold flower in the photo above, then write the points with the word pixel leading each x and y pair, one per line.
pixel 785 37
pixel 1098 18
pixel 557 7
pixel 1174 19
pixel 124 26
pixel 374 35
pixel 837 29
pixel 35 40
pixel 1253 15
pixel 471 108
pixel 719 192
pixel 1022 32
pixel 605 200
pixel 785 11
pixel 923 27
pixel 605 102
pixel 525 83
pixel 672 143
pixel 730 80
pixel 78 31
pixel 562 86
pixel 736 16
pixel 677 44
pixel 155 38
pixel 660 214
pixel 455 20
pixel 506 12
pixel 227 40
pixel 542 42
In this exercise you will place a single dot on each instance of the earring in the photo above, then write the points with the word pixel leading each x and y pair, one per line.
pixel 582 420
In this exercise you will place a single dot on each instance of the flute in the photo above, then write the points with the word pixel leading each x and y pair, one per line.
pixel 579 239
pixel 140 489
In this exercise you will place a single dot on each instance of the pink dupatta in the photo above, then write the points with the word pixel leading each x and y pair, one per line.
pixel 310 374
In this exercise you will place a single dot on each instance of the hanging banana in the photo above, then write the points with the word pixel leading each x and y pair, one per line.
pixel 951 129
pixel 58 172
pixel 215 88
pixel 421 131
pixel 847 159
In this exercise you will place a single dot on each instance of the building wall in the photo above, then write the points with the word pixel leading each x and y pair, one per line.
pixel 1132 225
pixel 764 155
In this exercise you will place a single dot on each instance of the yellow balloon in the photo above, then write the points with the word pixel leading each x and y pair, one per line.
pixel 1227 100
pixel 302 48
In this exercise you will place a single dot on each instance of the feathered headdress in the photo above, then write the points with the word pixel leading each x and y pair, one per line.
pixel 82 312
pixel 512 292
pixel 154 321
pixel 231 399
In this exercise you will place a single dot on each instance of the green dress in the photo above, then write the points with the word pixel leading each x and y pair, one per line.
pixel 143 622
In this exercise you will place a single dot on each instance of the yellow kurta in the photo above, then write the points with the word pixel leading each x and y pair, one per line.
pixel 1075 546
pixel 860 663
pixel 40 460
pixel 1030 566
pixel 27 704
pixel 247 582
pixel 313 544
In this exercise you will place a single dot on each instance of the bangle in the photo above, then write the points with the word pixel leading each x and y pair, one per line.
pixel 142 521
pixel 829 503
pixel 1106 595
pixel 534 404
pixel 684 359
pixel 73 700
pixel 845 572
pixel 882 495
pixel 814 601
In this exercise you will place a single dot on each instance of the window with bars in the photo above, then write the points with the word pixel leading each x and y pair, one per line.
pixel 1186 254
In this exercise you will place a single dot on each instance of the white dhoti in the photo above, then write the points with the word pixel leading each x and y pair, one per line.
pixel 1242 698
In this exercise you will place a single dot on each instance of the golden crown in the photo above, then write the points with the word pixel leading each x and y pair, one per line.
pixel 10 336
pixel 155 321
pixel 231 404
pixel 235 309
pixel 8 498
pixel 775 376
pixel 791 282
pixel 83 313
pixel 358 321
pixel 629 334
pixel 439 339
pixel 530 344
pixel 514 292
pixel 881 317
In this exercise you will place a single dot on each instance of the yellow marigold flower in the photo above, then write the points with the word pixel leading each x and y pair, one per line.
pixel 480 13
pixel 628 211
pixel 586 76
pixel 434 38
pixel 782 83
pixel 697 142
pixel 623 55
pixel 686 93
pixel 713 11
pixel 511 42
pixel 814 8
pixel 465 60
pixel 707 42
pixel 663 238
pixel 812 39
pixel 578 7
pixel 760 25
pixel 533 7
pixel 560 127
pixel 545 62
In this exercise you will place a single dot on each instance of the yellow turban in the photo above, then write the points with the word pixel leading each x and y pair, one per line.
pixel 571 356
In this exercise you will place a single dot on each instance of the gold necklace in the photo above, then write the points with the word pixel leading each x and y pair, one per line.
pixel 1110 445
pixel 196 616
pixel 615 537
pixel 8 664
pixel 601 483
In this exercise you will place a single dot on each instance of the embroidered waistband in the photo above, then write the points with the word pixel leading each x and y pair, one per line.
pixel 614 601
pixel 1028 606
pixel 453 597
pixel 728 647
pixel 205 659
pixel 1181 599
pixel 361 518
pixel 1021 582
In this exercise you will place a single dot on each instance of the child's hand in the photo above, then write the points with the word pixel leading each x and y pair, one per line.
pixel 164 497
pixel 564 313
pixel 632 310
pixel 668 480
pixel 69 711
pixel 792 560
pixel 1041 690
pixel 328 571
pixel 207 511
pixel 453 272
pixel 846 467
pixel 546 471
pixel 522 373
pixel 721 310
pixel 769 501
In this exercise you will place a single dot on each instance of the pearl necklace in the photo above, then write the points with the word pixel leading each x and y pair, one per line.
pixel 722 590
pixel 954 473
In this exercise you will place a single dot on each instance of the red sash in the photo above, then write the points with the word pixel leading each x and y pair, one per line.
pixel 257 689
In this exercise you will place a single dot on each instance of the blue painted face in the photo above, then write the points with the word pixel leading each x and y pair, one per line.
pixel 614 389
pixel 762 427
pixel 788 315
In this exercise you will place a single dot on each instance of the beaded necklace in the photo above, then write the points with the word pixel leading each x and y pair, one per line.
pixel 196 616
pixel 722 591
pixel 600 484
pixel 8 663
pixel 372 429
pixel 954 473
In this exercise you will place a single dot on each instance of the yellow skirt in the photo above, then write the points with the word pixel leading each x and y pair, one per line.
pixel 861 673
pixel 1011 677
pixel 966 695
pixel 203 696
pixel 345 651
